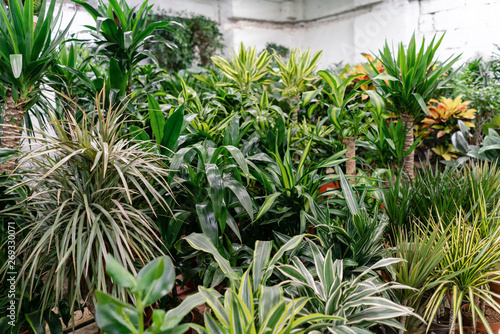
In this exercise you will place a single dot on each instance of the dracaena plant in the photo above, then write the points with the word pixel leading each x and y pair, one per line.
pixel 293 187
pixel 356 235
pixel 152 282
pixel 246 70
pixel 470 263
pixel 416 75
pixel 94 191
pixel 121 34
pixel 210 184
pixel 250 304
pixel 347 111
pixel 362 300
pixel 296 76
pixel 26 52
pixel 384 143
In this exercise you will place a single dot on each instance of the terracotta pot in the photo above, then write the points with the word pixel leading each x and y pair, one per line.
pixel 328 186
pixel 495 288
pixel 495 326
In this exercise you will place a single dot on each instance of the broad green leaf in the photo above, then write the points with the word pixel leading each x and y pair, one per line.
pixel 172 128
pixel 156 118
pixel 119 274
pixel 16 63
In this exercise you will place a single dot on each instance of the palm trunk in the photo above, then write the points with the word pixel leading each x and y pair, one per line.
pixel 11 129
pixel 409 167
pixel 350 145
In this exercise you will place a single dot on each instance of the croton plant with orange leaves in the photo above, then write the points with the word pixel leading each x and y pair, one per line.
pixel 445 114
pixel 363 68
pixel 441 121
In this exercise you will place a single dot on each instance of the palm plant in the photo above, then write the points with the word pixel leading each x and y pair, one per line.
pixel 347 112
pixel 246 70
pixel 415 77
pixel 121 34
pixel 26 53
pixel 93 193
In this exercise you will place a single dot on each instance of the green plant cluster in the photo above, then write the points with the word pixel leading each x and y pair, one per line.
pixel 238 181
pixel 195 40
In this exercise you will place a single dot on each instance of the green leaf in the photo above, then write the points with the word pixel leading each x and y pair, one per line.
pixel 156 118
pixel 155 280
pixel 115 320
pixel 16 62
pixel 54 323
pixel 422 103
pixel 119 274
pixel 172 129
pixel 201 242
pixel 352 204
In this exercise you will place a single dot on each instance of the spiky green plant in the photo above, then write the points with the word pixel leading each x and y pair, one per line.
pixel 26 52
pixel 416 75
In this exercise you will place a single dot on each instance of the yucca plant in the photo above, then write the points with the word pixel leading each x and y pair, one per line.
pixel 93 192
pixel 121 34
pixel 347 111
pixel 363 300
pixel 26 52
pixel 416 75
pixel 470 263
pixel 246 70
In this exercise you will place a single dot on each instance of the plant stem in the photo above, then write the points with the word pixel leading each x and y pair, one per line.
pixel 409 167
pixel 12 129
pixel 350 165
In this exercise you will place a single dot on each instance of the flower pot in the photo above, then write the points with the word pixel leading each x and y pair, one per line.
pixel 492 317
pixel 328 186
pixel 495 288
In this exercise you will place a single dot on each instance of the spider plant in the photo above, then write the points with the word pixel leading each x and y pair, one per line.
pixel 93 193
pixel 26 52
pixel 416 75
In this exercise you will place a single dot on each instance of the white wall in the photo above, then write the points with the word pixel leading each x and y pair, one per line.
pixel 344 29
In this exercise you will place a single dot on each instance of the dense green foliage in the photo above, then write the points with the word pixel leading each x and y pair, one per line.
pixel 234 179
